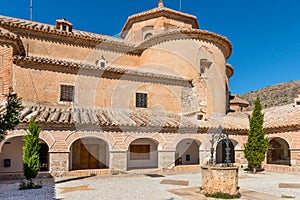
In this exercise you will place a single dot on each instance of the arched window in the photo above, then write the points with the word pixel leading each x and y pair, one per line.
pixel 148 35
pixel 278 152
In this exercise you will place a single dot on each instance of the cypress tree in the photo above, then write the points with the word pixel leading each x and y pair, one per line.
pixel 31 158
pixel 257 145
pixel 10 118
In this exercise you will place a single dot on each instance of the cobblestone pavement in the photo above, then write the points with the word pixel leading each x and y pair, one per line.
pixel 144 187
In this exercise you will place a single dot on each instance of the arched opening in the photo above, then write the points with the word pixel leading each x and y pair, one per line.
pixel 89 153
pixel 148 35
pixel 187 152
pixel 44 156
pixel 221 152
pixel 142 154
pixel 12 155
pixel 278 152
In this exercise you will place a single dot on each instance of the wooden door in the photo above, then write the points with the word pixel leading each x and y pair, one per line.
pixel 88 156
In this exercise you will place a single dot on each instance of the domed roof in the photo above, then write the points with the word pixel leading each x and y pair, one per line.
pixel 160 11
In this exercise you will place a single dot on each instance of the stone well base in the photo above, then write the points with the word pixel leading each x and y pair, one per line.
pixel 219 179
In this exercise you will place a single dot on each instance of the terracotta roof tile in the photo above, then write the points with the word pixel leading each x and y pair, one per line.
pixel 275 117
pixel 282 116
pixel 31 25
pixel 238 100
pixel 111 68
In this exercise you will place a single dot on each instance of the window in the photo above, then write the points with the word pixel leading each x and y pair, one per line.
pixel 141 100
pixel 66 93
pixel 101 62
pixel 199 117
pixel 148 35
pixel 139 152
pixel 204 63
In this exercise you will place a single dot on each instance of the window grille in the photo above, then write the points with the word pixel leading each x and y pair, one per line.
pixel 141 100
pixel 66 93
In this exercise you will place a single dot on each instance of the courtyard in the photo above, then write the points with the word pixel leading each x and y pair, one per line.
pixel 160 186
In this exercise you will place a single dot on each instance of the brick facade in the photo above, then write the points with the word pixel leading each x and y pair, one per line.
pixel 181 69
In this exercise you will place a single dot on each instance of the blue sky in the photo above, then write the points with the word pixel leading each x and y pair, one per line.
pixel 265 34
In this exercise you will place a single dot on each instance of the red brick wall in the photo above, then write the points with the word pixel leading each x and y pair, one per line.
pixel 6 53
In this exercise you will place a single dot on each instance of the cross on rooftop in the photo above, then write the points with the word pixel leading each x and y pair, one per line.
pixel 160 3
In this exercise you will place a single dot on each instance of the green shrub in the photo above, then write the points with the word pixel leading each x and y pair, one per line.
pixel 287 197
pixel 29 185
pixel 220 195
pixel 31 158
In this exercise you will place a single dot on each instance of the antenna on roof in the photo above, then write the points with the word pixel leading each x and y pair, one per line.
pixel 179 5
pixel 31 10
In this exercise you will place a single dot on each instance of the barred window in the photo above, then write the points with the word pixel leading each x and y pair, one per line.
pixel 141 100
pixel 66 93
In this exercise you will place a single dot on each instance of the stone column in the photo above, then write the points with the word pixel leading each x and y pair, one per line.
pixel 295 157
pixel 59 163
pixel 204 156
pixel 118 160
pixel 240 159
pixel 166 159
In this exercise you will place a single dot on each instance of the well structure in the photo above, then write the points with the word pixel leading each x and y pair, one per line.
pixel 219 179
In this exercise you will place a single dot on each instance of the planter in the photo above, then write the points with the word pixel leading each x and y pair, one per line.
pixel 219 179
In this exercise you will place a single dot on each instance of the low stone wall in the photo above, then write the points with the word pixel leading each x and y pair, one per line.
pixel 219 179
pixel 281 168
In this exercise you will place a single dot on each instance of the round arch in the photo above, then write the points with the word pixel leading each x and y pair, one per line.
pixel 72 137
pixel 278 152
pixel 89 152
pixel 43 136
pixel 187 152
pixel 12 154
pixel 142 153
pixel 158 139
pixel 221 151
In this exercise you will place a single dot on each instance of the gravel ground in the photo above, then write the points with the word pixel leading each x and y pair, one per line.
pixel 11 192
pixel 143 187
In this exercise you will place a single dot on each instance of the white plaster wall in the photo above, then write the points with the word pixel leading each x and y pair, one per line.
pixel 188 147
pixel 152 162
pixel 14 152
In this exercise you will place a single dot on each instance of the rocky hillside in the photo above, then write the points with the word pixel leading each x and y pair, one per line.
pixel 274 95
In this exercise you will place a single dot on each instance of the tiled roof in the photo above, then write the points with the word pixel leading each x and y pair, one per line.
pixel 276 117
pixel 51 29
pixel 7 35
pixel 188 33
pixel 156 12
pixel 282 116
pixel 113 42
pixel 112 68
pixel 100 116
pixel 238 100
pixel 237 121
pixel 111 117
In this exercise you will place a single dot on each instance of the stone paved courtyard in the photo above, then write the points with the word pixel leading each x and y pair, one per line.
pixel 164 186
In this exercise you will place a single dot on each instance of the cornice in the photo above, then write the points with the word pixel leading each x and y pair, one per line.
pixel 8 37
pixel 158 12
pixel 15 24
pixel 222 42
pixel 229 70
pixel 75 66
